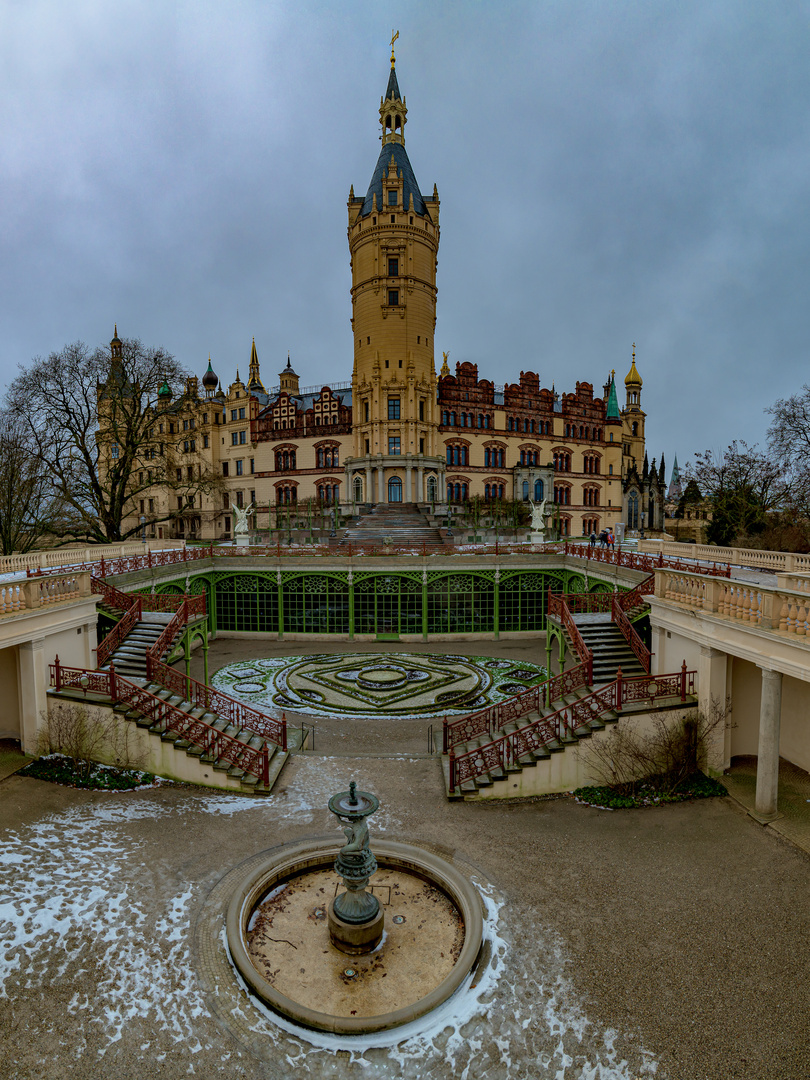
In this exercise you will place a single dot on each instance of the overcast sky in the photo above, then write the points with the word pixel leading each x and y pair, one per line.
pixel 610 173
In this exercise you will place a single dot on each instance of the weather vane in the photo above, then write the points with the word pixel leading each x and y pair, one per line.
pixel 394 36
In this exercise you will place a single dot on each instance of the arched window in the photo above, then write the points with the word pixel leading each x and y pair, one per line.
pixel 525 490
pixel 431 489
pixel 538 491
pixel 395 490
pixel 632 510
pixel 358 489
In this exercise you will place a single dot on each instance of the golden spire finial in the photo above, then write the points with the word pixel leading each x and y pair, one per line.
pixel 394 36
pixel 115 331
pixel 445 367
pixel 613 373
pixel 634 352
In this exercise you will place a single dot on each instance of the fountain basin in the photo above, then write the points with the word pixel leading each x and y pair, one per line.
pixel 278 938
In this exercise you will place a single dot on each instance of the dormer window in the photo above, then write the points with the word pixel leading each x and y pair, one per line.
pixel 392 197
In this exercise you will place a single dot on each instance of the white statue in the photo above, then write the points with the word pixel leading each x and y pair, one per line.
pixel 241 527
pixel 538 516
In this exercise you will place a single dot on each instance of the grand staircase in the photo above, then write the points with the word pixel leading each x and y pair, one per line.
pixel 609 648
pixel 543 754
pixel 130 656
pixel 403 525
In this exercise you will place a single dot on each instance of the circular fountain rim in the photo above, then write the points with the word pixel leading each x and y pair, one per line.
pixel 291 860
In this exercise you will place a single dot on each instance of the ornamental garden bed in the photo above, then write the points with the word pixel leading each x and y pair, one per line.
pixel 649 793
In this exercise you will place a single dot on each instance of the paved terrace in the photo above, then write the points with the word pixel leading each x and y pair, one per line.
pixel 668 942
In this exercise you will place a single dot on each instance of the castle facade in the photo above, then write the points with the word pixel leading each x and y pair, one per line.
pixel 398 432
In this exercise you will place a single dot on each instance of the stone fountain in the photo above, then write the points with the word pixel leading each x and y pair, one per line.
pixel 299 911
pixel 356 918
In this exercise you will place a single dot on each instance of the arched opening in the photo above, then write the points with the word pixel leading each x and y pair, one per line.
pixel 431 489
pixel 358 489
pixel 395 490
pixel 538 491
pixel 525 490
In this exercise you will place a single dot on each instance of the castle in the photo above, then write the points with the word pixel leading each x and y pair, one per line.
pixel 398 432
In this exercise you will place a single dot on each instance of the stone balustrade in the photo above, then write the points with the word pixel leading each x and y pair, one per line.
pixel 783 609
pixel 776 561
pixel 75 556
pixel 34 593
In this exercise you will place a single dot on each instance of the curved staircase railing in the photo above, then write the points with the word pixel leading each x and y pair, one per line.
pixel 505 752
pixel 167 717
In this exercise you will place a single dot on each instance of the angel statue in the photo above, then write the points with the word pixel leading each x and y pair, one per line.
pixel 241 527
pixel 538 516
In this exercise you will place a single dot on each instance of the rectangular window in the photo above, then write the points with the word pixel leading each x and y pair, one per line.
pixel 205 442
pixel 242 438
pixel 365 406
pixel 179 502
pixel 253 496
pixel 186 446
pixel 241 414
pixel 226 502
pixel 239 467
pixel 151 506
pixel 185 425
pixel 393 408
pixel 421 446
pixel 114 450
pixel 610 470
pixel 205 417
pixel 234 438
pixel 192 423
pixel 392 201
pixel 190 472
pixel 190 501
pixel 368 450
pixel 179 475
pixel 239 500
pixel 393 444
pixel 141 505
pixel 393 297
pixel 252 465
pixel 422 409
pixel 393 267
pixel 224 468
pixel 171 429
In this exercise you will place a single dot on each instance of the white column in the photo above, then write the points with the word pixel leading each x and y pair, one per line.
pixel 368 494
pixel 408 471
pixel 712 675
pixel 33 699
pixel 381 485
pixel 420 484
pixel 770 712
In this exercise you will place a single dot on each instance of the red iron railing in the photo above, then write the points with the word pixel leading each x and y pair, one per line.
pixel 185 608
pixel 630 635
pixel 629 559
pixel 505 752
pixel 219 746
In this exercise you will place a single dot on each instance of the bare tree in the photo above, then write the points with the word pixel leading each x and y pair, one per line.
pixel 789 442
pixel 29 507
pixel 742 485
pixel 105 434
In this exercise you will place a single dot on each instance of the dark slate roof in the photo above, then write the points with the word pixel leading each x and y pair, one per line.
pixel 392 90
pixel 404 170
pixel 305 401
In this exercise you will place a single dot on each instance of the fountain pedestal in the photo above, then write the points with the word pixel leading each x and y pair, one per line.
pixel 355 917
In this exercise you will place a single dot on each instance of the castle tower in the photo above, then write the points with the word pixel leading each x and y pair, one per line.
pixel 394 240
pixel 288 379
pixel 632 415
pixel 255 384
